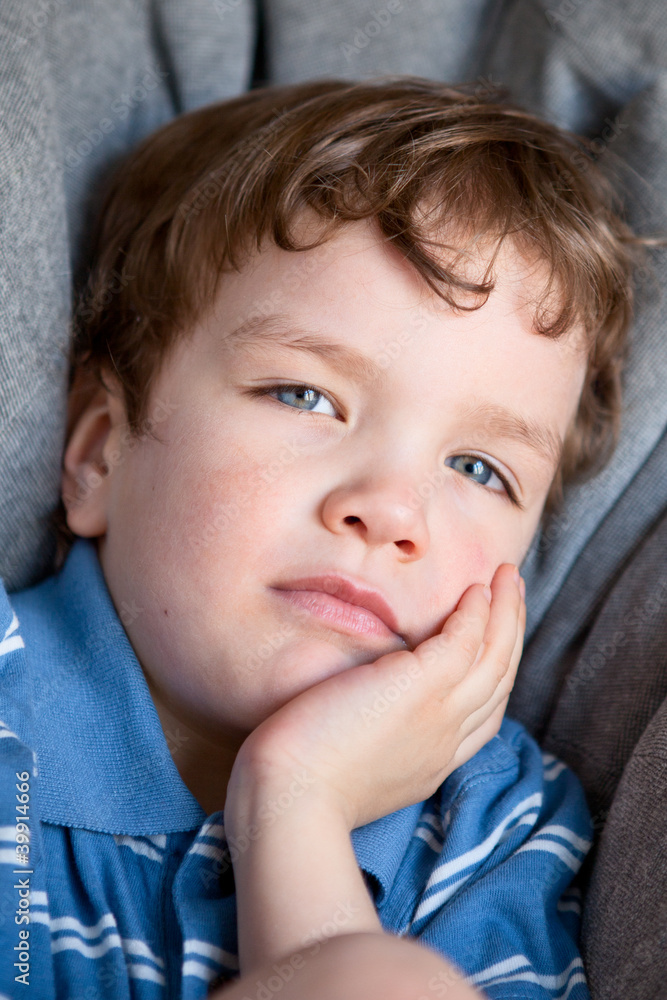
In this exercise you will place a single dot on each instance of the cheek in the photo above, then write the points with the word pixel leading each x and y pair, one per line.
pixel 230 508
pixel 477 559
pixel 482 552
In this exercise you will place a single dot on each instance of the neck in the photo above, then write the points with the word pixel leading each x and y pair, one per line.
pixel 203 763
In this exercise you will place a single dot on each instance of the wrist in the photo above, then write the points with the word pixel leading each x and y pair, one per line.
pixel 259 796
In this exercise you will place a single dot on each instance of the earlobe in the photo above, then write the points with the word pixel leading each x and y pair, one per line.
pixel 86 472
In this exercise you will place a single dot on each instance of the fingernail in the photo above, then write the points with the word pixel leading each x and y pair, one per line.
pixel 487 593
pixel 517 575
pixel 522 587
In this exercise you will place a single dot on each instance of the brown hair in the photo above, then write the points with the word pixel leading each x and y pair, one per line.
pixel 202 193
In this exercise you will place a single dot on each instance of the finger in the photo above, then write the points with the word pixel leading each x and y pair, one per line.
pixel 504 688
pixel 502 631
pixel 521 631
pixel 481 735
pixel 457 645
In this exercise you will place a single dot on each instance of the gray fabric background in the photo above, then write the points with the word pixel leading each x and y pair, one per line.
pixel 81 81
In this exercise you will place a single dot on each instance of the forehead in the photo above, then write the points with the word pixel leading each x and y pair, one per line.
pixel 359 284
pixel 354 307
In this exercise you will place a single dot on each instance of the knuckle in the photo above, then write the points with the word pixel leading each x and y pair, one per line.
pixel 468 646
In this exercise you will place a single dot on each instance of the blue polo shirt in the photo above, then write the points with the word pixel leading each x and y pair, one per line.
pixel 114 884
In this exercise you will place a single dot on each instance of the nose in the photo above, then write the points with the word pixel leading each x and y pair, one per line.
pixel 381 514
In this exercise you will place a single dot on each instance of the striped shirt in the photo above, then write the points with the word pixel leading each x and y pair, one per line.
pixel 114 884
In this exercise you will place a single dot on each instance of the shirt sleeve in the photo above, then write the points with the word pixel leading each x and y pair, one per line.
pixel 25 947
pixel 506 837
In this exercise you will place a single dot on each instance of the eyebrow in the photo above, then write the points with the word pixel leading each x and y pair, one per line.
pixel 502 422
pixel 280 330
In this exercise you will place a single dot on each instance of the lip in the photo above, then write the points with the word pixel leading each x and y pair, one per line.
pixel 343 602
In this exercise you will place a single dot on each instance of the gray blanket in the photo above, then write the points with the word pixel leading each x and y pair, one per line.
pixel 81 81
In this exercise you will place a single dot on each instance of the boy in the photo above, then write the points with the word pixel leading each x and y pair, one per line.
pixel 340 345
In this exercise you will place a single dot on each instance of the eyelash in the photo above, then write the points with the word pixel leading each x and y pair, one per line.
pixel 268 390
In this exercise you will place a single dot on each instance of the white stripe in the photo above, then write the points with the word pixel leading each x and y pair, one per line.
pixel 159 839
pixel 507 965
pixel 145 972
pixel 87 950
pixel 553 848
pixel 7 832
pixel 209 851
pixel 210 951
pixel 38 898
pixel 6 733
pixel 554 772
pixel 439 897
pixel 575 907
pixel 192 968
pixel 212 830
pixel 532 977
pixel 578 978
pixel 432 820
pixel 39 917
pixel 9 645
pixel 13 626
pixel 138 846
pixel 132 946
pixel 484 849
pixel 430 839
pixel 530 819
pixel 8 857
pixel 548 758
pixel 563 831
pixel 549 982
pixel 85 930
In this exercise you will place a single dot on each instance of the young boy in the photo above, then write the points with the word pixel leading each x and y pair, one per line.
pixel 340 345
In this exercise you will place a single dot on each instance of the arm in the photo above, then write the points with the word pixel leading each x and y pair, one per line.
pixel 299 879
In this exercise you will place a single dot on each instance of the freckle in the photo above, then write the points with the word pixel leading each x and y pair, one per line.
pixel 166 612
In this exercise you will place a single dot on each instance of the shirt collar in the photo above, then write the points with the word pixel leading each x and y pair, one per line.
pixel 103 759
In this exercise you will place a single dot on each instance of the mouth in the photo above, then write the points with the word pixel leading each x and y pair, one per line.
pixel 343 605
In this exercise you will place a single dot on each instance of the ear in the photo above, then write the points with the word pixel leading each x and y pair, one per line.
pixel 87 470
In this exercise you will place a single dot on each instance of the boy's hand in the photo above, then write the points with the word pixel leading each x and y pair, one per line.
pixel 386 734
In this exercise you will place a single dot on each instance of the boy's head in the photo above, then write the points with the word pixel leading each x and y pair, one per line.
pixel 475 282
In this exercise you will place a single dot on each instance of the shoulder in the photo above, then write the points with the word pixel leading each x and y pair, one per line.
pixel 29 631
pixel 14 681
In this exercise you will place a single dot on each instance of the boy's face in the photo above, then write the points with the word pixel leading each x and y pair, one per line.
pixel 244 493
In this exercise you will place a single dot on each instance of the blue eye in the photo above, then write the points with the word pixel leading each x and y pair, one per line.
pixel 305 394
pixel 477 469
pixel 308 395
